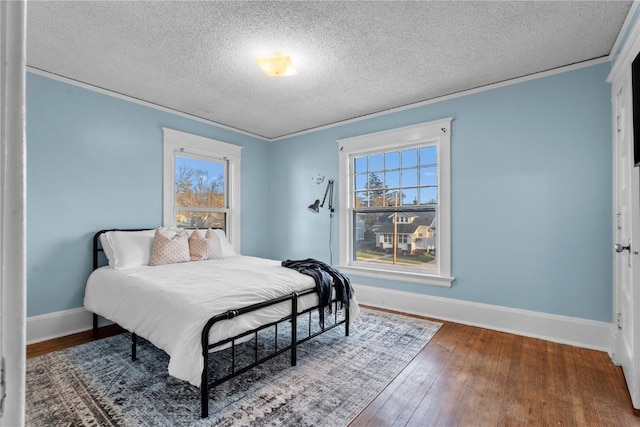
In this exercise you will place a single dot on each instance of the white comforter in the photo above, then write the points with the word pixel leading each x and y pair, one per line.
pixel 169 304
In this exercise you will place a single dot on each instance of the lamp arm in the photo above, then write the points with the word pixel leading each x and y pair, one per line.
pixel 326 191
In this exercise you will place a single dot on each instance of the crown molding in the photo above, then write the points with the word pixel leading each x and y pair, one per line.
pixel 148 104
pixel 492 86
pixel 504 83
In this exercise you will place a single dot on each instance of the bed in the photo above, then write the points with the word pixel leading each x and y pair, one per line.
pixel 193 309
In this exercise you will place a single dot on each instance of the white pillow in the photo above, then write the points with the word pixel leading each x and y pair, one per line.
pixel 227 249
pixel 129 248
pixel 107 248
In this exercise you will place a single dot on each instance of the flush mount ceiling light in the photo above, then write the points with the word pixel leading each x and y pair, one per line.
pixel 277 65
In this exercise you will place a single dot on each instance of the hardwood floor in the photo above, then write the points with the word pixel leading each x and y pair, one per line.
pixel 469 376
pixel 45 347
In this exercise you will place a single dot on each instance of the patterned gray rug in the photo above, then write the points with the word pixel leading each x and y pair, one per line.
pixel 97 384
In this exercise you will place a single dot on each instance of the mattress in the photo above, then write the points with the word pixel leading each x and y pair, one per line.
pixel 169 304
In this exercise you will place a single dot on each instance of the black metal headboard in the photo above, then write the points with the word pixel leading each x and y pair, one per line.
pixel 97 247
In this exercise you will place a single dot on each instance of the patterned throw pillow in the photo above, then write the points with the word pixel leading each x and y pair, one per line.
pixel 169 247
pixel 207 247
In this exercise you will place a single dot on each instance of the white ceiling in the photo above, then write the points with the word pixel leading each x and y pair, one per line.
pixel 354 58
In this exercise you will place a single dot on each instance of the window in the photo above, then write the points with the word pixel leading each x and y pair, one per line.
pixel 200 191
pixel 396 220
pixel 201 183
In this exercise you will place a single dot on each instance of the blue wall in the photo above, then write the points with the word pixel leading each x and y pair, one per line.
pixel 95 161
pixel 531 178
pixel 531 194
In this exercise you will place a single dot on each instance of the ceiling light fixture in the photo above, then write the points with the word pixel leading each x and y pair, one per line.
pixel 277 65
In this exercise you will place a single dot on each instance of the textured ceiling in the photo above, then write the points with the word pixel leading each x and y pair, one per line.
pixel 353 58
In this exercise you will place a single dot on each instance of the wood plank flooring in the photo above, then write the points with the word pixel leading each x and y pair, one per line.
pixel 45 347
pixel 469 376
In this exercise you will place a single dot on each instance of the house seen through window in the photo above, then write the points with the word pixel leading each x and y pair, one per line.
pixel 395 199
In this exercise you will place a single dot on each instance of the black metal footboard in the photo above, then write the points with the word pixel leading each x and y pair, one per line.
pixel 206 384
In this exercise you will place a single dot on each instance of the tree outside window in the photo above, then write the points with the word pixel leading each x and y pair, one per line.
pixel 200 193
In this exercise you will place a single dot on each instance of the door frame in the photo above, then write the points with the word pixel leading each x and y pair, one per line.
pixel 13 210
pixel 620 77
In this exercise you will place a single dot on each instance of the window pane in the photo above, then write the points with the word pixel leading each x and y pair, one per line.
pixel 410 178
pixel 377 195
pixel 394 198
pixel 360 164
pixel 409 158
pixel 428 195
pixel 380 198
pixel 360 199
pixel 403 238
pixel 409 196
pixel 429 155
pixel 375 162
pixel 360 182
pixel 392 160
pixel 363 236
pixel 191 219
pixel 429 176
pixel 392 179
pixel 199 183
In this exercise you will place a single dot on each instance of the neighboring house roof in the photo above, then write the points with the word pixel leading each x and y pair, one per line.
pixel 422 219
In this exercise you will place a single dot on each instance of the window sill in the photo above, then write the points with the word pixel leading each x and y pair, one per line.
pixel 423 279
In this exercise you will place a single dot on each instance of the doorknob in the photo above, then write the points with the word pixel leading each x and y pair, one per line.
pixel 619 248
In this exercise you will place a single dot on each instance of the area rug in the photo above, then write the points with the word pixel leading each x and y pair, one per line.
pixel 97 384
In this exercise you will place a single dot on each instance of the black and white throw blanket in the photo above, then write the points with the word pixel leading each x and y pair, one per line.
pixel 325 276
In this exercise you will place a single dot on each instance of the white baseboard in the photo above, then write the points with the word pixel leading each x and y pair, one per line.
pixel 561 329
pixel 574 331
pixel 53 325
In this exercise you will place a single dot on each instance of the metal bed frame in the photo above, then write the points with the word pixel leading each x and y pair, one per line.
pixel 206 383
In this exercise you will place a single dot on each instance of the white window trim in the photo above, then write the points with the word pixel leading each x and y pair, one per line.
pixel 176 141
pixel 435 132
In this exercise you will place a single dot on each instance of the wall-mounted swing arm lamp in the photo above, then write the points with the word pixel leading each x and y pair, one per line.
pixel 315 206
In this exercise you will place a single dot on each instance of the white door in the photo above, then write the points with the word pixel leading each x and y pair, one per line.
pixel 626 262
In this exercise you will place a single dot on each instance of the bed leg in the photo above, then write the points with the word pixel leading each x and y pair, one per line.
pixel 204 386
pixel 294 328
pixel 134 346
pixel 346 320
pixel 95 325
pixel 204 398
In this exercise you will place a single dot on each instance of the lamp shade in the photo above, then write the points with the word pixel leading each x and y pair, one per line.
pixel 315 206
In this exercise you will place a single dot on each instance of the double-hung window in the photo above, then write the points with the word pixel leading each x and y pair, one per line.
pixel 396 195
pixel 201 185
